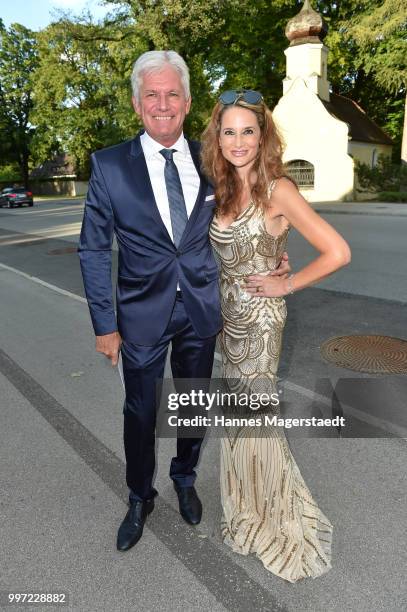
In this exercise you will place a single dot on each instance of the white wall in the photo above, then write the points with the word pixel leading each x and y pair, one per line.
pixel 81 187
pixel 312 134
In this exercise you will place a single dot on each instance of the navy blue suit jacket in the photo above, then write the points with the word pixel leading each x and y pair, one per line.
pixel 120 202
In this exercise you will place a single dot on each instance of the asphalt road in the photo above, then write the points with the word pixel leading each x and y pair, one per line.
pixel 62 462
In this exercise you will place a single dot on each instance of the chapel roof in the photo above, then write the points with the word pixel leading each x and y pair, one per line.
pixel 361 127
pixel 59 165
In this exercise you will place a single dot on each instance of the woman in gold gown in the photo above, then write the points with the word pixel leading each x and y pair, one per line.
pixel 267 507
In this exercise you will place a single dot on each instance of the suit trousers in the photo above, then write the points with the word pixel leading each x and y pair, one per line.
pixel 143 368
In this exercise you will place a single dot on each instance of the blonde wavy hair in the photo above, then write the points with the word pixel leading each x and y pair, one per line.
pixel 268 164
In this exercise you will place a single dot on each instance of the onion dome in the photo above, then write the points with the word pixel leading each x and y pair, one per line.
pixel 306 26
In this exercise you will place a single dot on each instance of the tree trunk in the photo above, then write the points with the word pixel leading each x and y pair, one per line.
pixel 23 163
pixel 404 139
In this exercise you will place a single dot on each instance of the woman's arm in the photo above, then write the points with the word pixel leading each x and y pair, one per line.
pixel 334 250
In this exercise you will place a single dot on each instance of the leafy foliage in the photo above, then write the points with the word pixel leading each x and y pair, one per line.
pixel 386 176
pixel 10 174
pixel 380 34
pixel 392 196
pixel 18 62
pixel 81 88
pixel 82 92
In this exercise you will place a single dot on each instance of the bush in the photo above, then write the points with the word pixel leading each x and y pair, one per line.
pixel 392 196
pixel 9 173
pixel 385 177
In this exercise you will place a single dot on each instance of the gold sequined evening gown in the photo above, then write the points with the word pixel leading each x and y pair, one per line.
pixel 267 507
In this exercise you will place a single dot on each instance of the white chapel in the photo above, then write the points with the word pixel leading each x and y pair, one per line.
pixel 323 132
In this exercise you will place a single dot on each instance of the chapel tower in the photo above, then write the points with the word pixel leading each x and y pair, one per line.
pixel 307 54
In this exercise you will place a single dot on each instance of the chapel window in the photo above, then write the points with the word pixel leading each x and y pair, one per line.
pixel 302 172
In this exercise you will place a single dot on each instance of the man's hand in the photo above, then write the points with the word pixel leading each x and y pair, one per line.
pixel 284 268
pixel 109 345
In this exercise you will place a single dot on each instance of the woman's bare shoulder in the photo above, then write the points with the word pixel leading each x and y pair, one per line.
pixel 283 185
pixel 283 190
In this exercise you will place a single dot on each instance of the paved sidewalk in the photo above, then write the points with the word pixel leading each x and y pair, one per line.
pixel 62 485
pixel 362 208
pixel 63 492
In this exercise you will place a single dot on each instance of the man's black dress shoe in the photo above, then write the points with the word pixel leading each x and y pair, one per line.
pixel 190 506
pixel 131 529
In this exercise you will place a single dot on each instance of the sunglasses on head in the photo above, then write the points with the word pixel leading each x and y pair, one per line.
pixel 231 96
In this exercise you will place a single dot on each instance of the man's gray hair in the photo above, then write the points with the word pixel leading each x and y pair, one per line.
pixel 155 61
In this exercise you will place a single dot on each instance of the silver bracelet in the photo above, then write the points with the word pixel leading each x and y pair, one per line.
pixel 290 284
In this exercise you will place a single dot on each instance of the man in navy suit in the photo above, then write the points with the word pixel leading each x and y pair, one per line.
pixel 151 194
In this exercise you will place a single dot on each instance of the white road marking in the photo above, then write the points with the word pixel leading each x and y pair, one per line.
pixel 37 280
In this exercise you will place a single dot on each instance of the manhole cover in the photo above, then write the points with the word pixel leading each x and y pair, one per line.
pixel 62 251
pixel 372 354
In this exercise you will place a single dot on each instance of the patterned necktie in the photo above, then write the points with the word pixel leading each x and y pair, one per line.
pixel 178 210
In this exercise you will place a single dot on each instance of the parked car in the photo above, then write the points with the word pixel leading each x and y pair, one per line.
pixel 15 196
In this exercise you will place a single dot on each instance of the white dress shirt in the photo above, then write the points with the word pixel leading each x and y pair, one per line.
pixel 188 175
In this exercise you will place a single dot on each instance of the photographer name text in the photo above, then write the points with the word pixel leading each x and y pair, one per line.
pixel 258 421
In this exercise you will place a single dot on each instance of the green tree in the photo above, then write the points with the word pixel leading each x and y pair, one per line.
pixel 18 61
pixel 82 93
pixel 250 52
pixel 386 176
pixel 381 33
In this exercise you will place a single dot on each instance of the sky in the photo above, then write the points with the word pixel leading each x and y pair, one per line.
pixel 36 14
